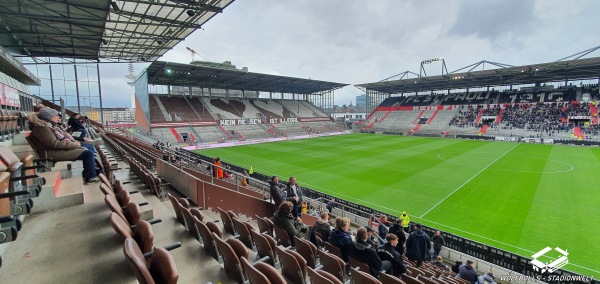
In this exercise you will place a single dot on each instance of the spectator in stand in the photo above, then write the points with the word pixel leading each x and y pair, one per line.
pixel 363 252
pixel 330 205
pixel 295 196
pixel 76 125
pixel 49 137
pixel 486 278
pixel 440 263
pixel 418 245
pixel 467 272
pixel 276 192
pixel 217 169
pixel 340 236
pixel 383 229
pixel 455 267
pixel 304 208
pixel 322 226
pixel 245 177
pixel 398 230
pixel 373 240
pixel 283 219
pixel 405 221
pixel 388 252
pixel 438 242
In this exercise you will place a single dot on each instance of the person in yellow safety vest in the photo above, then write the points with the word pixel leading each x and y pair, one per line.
pixel 250 170
pixel 405 220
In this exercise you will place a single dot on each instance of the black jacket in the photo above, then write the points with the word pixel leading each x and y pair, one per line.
pixel 438 242
pixel 388 252
pixel 276 193
pixel 363 252
pixel 290 195
pixel 75 124
pixel 468 273
pixel 399 232
pixel 418 246
pixel 342 240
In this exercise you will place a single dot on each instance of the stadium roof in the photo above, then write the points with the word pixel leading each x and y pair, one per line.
pixel 178 74
pixel 579 69
pixel 127 30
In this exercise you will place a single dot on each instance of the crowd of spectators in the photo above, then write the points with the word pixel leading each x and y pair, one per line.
pixel 466 117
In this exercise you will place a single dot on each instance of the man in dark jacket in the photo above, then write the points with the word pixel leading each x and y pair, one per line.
pixel 438 243
pixel 340 236
pixel 418 245
pixel 276 192
pixel 388 252
pixel 398 230
pixel 283 219
pixel 467 272
pixel 294 195
pixel 363 252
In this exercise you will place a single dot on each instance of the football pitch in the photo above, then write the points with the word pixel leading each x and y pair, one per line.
pixel 515 196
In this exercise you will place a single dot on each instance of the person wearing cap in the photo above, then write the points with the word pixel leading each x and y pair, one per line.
pixel 418 245
pixel 76 125
pixel 48 137
pixel 467 272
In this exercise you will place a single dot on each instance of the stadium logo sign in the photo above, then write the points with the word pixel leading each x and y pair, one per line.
pixel 554 265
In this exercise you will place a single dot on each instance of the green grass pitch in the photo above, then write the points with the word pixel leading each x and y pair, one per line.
pixel 518 197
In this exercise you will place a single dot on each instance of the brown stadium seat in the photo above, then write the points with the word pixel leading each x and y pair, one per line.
pixel 231 262
pixel 282 237
pixel 263 226
pixel 427 280
pixel 175 205
pixel 361 265
pixel 322 277
pixel 196 212
pixel 187 216
pixel 254 276
pixel 238 247
pixel 227 223
pixel 207 240
pixel 212 226
pixel 389 279
pixel 361 277
pixel 332 249
pixel 293 266
pixel 263 247
pixel 307 250
pixel 162 267
pixel 332 264
pixel 272 274
pixel 411 279
pixel 244 233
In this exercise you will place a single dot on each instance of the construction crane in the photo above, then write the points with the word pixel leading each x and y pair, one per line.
pixel 196 53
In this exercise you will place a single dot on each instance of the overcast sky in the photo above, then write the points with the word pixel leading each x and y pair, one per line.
pixel 354 42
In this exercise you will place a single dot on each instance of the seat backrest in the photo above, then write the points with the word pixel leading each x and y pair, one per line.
pixel 104 180
pixel 301 261
pixel 333 249
pixel 290 268
pixel 187 217
pixel 120 226
pixel 282 237
pixel 263 226
pixel 243 232
pixel 263 247
pixel 360 277
pixel 132 212
pixel 184 202
pixel 123 197
pixel 427 280
pixel 207 241
pixel 355 263
pixel 231 262
pixel 163 268
pixel 238 247
pixel 137 262
pixel 332 264
pixel 7 155
pixel 212 226
pixel 106 190
pixel 196 212
pixel 117 186
pixel 271 273
pixel 254 276
pixel 112 203
pixel 306 251
pixel 271 225
pixel 411 279
pixel 175 205
pixel 389 279
pixel 322 277
pixel 144 236
pixel 227 223
pixel 415 271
